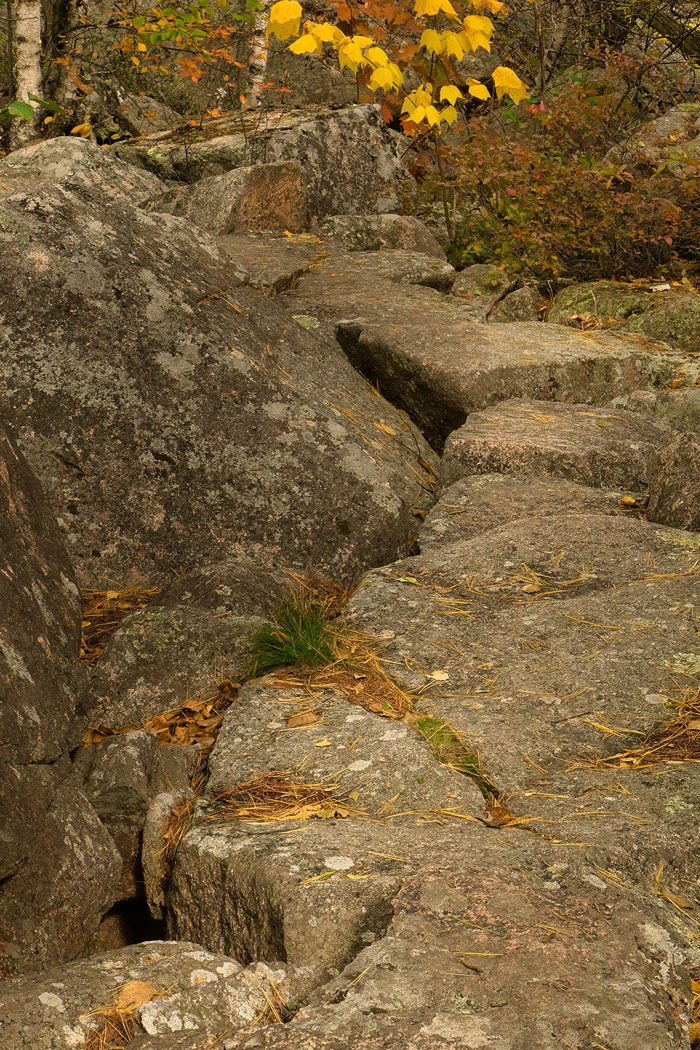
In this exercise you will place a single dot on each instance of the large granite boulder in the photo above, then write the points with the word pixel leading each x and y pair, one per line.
pixel 195 632
pixel 137 367
pixel 600 447
pixel 58 865
pixel 674 489
pixel 350 159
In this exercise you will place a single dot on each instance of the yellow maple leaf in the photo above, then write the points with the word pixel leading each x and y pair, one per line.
pixel 285 18
pixel 377 56
pixel 308 44
pixel 324 31
pixel 450 93
pixel 428 8
pixel 432 41
pixel 477 89
pixel 509 83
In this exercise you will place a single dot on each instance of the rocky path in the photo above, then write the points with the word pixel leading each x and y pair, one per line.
pixel 507 862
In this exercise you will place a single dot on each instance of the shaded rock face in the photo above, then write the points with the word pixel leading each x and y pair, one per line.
pixel 674 490
pixel 265 197
pixel 58 865
pixel 178 646
pixel 137 368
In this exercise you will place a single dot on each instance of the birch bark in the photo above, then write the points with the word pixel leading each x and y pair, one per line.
pixel 27 63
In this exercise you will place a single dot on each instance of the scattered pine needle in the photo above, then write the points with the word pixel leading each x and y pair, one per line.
pixel 274 797
pixel 363 683
pixel 103 611
pixel 323 590
pixel 116 1029
pixel 674 741
pixel 115 1032
pixel 276 1009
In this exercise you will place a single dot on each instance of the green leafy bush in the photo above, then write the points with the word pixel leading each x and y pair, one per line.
pixel 539 194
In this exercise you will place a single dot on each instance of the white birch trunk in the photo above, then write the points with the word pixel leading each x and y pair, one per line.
pixel 27 63
pixel 258 55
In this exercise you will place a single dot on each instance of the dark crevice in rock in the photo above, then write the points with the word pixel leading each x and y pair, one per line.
pixel 128 922
pixel 435 418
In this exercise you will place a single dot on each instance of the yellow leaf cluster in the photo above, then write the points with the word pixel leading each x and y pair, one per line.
pixel 359 52
pixel 285 19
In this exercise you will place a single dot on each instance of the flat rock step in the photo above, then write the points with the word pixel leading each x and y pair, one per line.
pixel 599 447
pixel 548 644
pixel 552 644
pixel 430 358
pixel 478 503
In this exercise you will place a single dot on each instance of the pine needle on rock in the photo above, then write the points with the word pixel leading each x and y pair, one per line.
pixel 103 611
pixel 275 797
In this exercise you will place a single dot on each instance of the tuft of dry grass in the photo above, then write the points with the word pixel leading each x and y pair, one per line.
pixel 676 740
pixel 322 590
pixel 274 797
pixel 103 611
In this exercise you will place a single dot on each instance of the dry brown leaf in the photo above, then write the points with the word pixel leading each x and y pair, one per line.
pixel 302 718
pixel 133 995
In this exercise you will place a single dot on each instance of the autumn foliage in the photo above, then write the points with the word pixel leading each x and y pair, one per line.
pixel 542 191
pixel 444 35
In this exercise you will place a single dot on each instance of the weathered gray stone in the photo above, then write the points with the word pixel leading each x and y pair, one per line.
pixel 523 304
pixel 481 502
pixel 178 646
pixel 80 166
pixel 142 114
pixel 679 408
pixel 428 357
pixel 273 261
pixel 155 870
pixel 58 865
pixel 674 489
pixel 351 160
pixel 264 197
pixel 672 139
pixel 521 985
pixel 370 233
pixel 602 447
pixel 671 317
pixel 118 787
pixel 545 632
pixel 193 990
pixel 137 368
pixel 269 875
pixel 481 287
